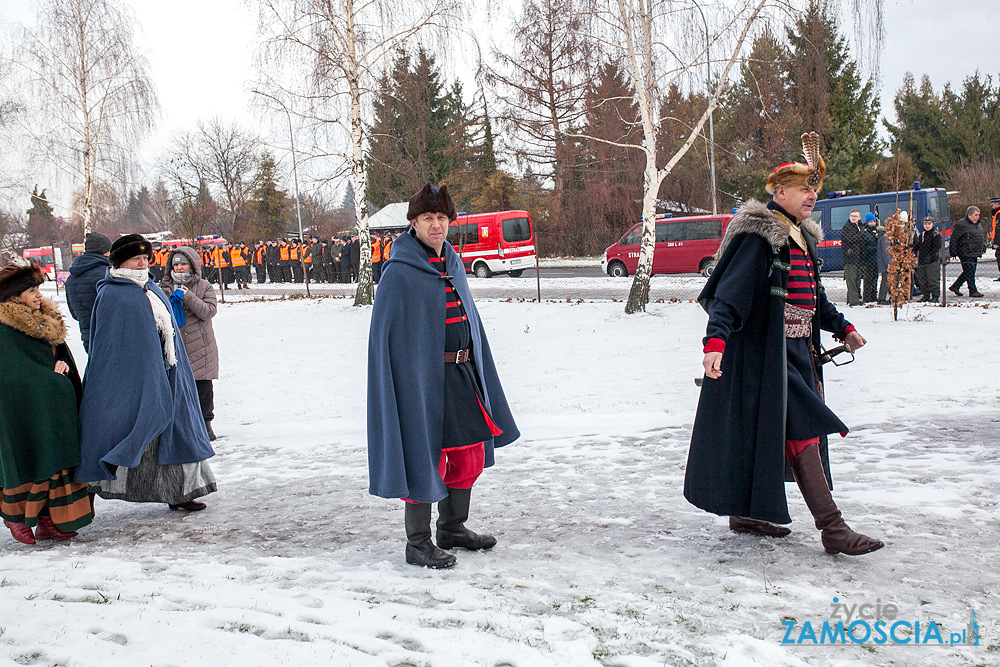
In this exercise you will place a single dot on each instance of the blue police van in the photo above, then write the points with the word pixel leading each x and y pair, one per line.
pixel 834 211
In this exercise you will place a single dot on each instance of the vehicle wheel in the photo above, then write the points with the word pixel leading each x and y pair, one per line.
pixel 482 271
pixel 516 273
pixel 617 270
pixel 706 267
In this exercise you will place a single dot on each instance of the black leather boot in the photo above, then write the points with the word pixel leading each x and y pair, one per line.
pixel 211 433
pixel 739 524
pixel 453 512
pixel 837 536
pixel 419 548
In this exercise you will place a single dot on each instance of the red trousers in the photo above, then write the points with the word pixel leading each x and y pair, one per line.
pixel 795 447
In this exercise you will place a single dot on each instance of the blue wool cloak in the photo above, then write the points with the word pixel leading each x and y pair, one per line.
pixel 406 374
pixel 129 396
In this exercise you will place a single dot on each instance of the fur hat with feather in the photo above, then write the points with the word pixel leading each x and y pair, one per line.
pixel 796 173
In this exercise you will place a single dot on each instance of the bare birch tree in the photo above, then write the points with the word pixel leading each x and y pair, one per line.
pixel 92 87
pixel 323 57
pixel 661 42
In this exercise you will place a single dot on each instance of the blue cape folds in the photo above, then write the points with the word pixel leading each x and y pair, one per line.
pixel 406 374
pixel 129 396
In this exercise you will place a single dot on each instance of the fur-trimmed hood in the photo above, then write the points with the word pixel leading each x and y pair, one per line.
pixel 756 218
pixel 44 324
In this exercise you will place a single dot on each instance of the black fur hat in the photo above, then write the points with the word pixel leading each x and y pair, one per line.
pixel 432 200
pixel 16 279
pixel 129 246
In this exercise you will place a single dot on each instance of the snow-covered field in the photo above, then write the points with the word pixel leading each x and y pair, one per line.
pixel 600 559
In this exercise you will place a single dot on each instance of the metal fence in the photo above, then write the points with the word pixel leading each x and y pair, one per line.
pixel 583 279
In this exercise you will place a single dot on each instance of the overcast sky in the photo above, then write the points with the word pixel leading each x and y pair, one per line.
pixel 201 52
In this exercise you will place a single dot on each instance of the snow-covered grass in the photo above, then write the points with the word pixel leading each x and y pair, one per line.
pixel 600 560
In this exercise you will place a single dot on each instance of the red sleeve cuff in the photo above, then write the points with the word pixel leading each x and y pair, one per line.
pixel 715 345
pixel 849 329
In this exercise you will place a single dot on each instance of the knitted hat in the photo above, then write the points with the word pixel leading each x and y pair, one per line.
pixel 870 217
pixel 129 246
pixel 432 200
pixel 179 258
pixel 97 243
pixel 17 279
pixel 796 173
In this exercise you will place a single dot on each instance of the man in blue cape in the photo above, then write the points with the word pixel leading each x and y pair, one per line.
pixel 436 410
pixel 762 397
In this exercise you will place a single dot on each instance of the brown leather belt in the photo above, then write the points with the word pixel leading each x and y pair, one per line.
pixel 459 357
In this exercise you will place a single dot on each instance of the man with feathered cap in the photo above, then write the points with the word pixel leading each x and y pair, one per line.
pixel 762 404
pixel 436 409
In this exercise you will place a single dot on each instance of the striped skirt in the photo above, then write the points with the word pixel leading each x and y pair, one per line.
pixel 149 482
pixel 67 502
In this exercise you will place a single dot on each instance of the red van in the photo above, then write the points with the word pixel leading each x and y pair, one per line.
pixel 683 245
pixel 489 243
pixel 44 258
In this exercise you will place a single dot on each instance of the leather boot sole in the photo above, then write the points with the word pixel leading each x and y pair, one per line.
pixel 754 527
pixel 433 558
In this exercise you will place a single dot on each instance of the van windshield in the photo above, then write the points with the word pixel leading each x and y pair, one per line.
pixel 516 230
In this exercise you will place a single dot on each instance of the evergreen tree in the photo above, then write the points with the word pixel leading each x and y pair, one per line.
pixel 43 226
pixel 350 215
pixel 420 132
pixel 831 97
pixel 267 203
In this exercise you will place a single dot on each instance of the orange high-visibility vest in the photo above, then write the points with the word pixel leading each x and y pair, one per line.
pixel 386 248
pixel 258 256
pixel 236 257
pixel 307 255
pixel 293 253
pixel 219 257
pixel 376 250
pixel 283 253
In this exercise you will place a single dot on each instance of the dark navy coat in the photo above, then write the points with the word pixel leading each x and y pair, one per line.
pixel 129 396
pixel 86 271
pixel 736 463
pixel 406 374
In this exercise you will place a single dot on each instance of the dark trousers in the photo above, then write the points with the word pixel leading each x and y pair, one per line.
pixel 968 276
pixel 206 396
pixel 376 271
pixel 261 275
pixel 869 276
pixel 929 280
pixel 852 276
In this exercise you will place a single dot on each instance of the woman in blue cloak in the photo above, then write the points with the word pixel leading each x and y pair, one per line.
pixel 142 436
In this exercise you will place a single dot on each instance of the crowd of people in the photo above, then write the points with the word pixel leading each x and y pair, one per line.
pixel 337 260
pixel 138 426
pixel 865 251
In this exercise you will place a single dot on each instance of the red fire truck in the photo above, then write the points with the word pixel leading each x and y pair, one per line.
pixel 489 243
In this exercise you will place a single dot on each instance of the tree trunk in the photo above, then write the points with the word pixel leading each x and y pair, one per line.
pixel 365 294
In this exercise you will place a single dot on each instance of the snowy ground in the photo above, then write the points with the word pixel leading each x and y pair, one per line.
pixel 600 562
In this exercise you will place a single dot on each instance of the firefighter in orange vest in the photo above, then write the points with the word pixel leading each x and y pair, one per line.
pixel 995 212
pixel 210 272
pixel 387 246
pixel 220 262
pixel 293 256
pixel 284 261
pixel 376 258
pixel 241 273
pixel 259 261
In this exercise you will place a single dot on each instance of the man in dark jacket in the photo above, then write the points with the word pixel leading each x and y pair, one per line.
pixel 968 244
pixel 86 271
pixel 852 244
pixel 436 409
pixel 762 398
pixel 869 258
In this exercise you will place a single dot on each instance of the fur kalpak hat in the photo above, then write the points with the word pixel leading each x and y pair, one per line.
pixel 432 200
pixel 16 279
pixel 796 173
pixel 129 246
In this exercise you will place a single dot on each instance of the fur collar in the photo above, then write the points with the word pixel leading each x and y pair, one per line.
pixel 44 324
pixel 756 218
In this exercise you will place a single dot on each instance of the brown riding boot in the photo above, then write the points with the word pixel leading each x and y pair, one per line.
pixel 837 536
pixel 739 524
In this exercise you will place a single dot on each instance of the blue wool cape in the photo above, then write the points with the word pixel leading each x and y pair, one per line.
pixel 406 374
pixel 129 395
